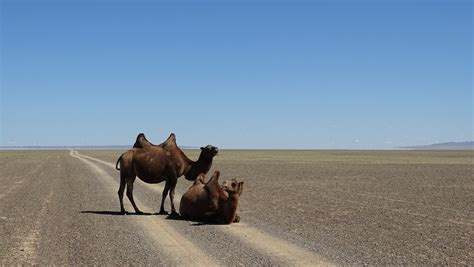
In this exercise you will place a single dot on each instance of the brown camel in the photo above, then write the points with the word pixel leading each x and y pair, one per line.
pixel 212 202
pixel 156 163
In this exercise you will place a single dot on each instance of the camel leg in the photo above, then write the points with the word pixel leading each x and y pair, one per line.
pixel 120 193
pixel 130 196
pixel 172 188
pixel 163 198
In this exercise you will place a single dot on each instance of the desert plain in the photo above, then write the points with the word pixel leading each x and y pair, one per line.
pixel 299 207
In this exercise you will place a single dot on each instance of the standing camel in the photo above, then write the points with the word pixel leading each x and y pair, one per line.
pixel 156 163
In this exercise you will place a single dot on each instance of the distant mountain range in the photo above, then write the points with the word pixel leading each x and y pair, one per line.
pixel 469 145
pixel 66 147
pixel 77 147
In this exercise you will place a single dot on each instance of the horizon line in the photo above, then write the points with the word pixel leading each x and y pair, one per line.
pixel 117 147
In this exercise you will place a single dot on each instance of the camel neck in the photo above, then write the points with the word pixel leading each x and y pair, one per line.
pixel 202 165
pixel 204 158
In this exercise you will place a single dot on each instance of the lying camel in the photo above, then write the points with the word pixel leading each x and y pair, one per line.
pixel 156 163
pixel 212 202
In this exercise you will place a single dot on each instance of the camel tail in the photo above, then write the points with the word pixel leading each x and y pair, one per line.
pixel 117 164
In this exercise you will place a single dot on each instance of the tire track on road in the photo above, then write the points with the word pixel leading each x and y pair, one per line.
pixel 29 233
pixel 8 187
pixel 266 244
pixel 31 241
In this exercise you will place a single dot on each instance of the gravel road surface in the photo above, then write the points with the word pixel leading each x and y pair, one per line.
pixel 298 208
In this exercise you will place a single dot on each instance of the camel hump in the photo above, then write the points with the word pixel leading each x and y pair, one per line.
pixel 213 188
pixel 141 141
pixel 171 140
pixel 214 180
pixel 200 179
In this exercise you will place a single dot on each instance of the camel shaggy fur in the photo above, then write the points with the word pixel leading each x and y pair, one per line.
pixel 211 202
pixel 156 163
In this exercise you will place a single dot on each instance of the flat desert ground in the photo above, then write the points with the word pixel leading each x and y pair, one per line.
pixel 298 208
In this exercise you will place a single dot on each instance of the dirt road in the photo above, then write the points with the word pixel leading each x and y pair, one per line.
pixel 299 208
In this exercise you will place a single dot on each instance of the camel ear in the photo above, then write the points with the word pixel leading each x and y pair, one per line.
pixel 241 187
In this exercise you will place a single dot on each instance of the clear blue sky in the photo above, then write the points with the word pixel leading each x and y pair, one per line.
pixel 237 74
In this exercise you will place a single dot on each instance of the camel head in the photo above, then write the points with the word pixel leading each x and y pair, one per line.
pixel 203 164
pixel 233 187
pixel 228 205
pixel 209 151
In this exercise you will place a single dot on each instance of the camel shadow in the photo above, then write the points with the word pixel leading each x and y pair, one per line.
pixel 192 222
pixel 115 213
pixel 175 218
pixel 168 217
